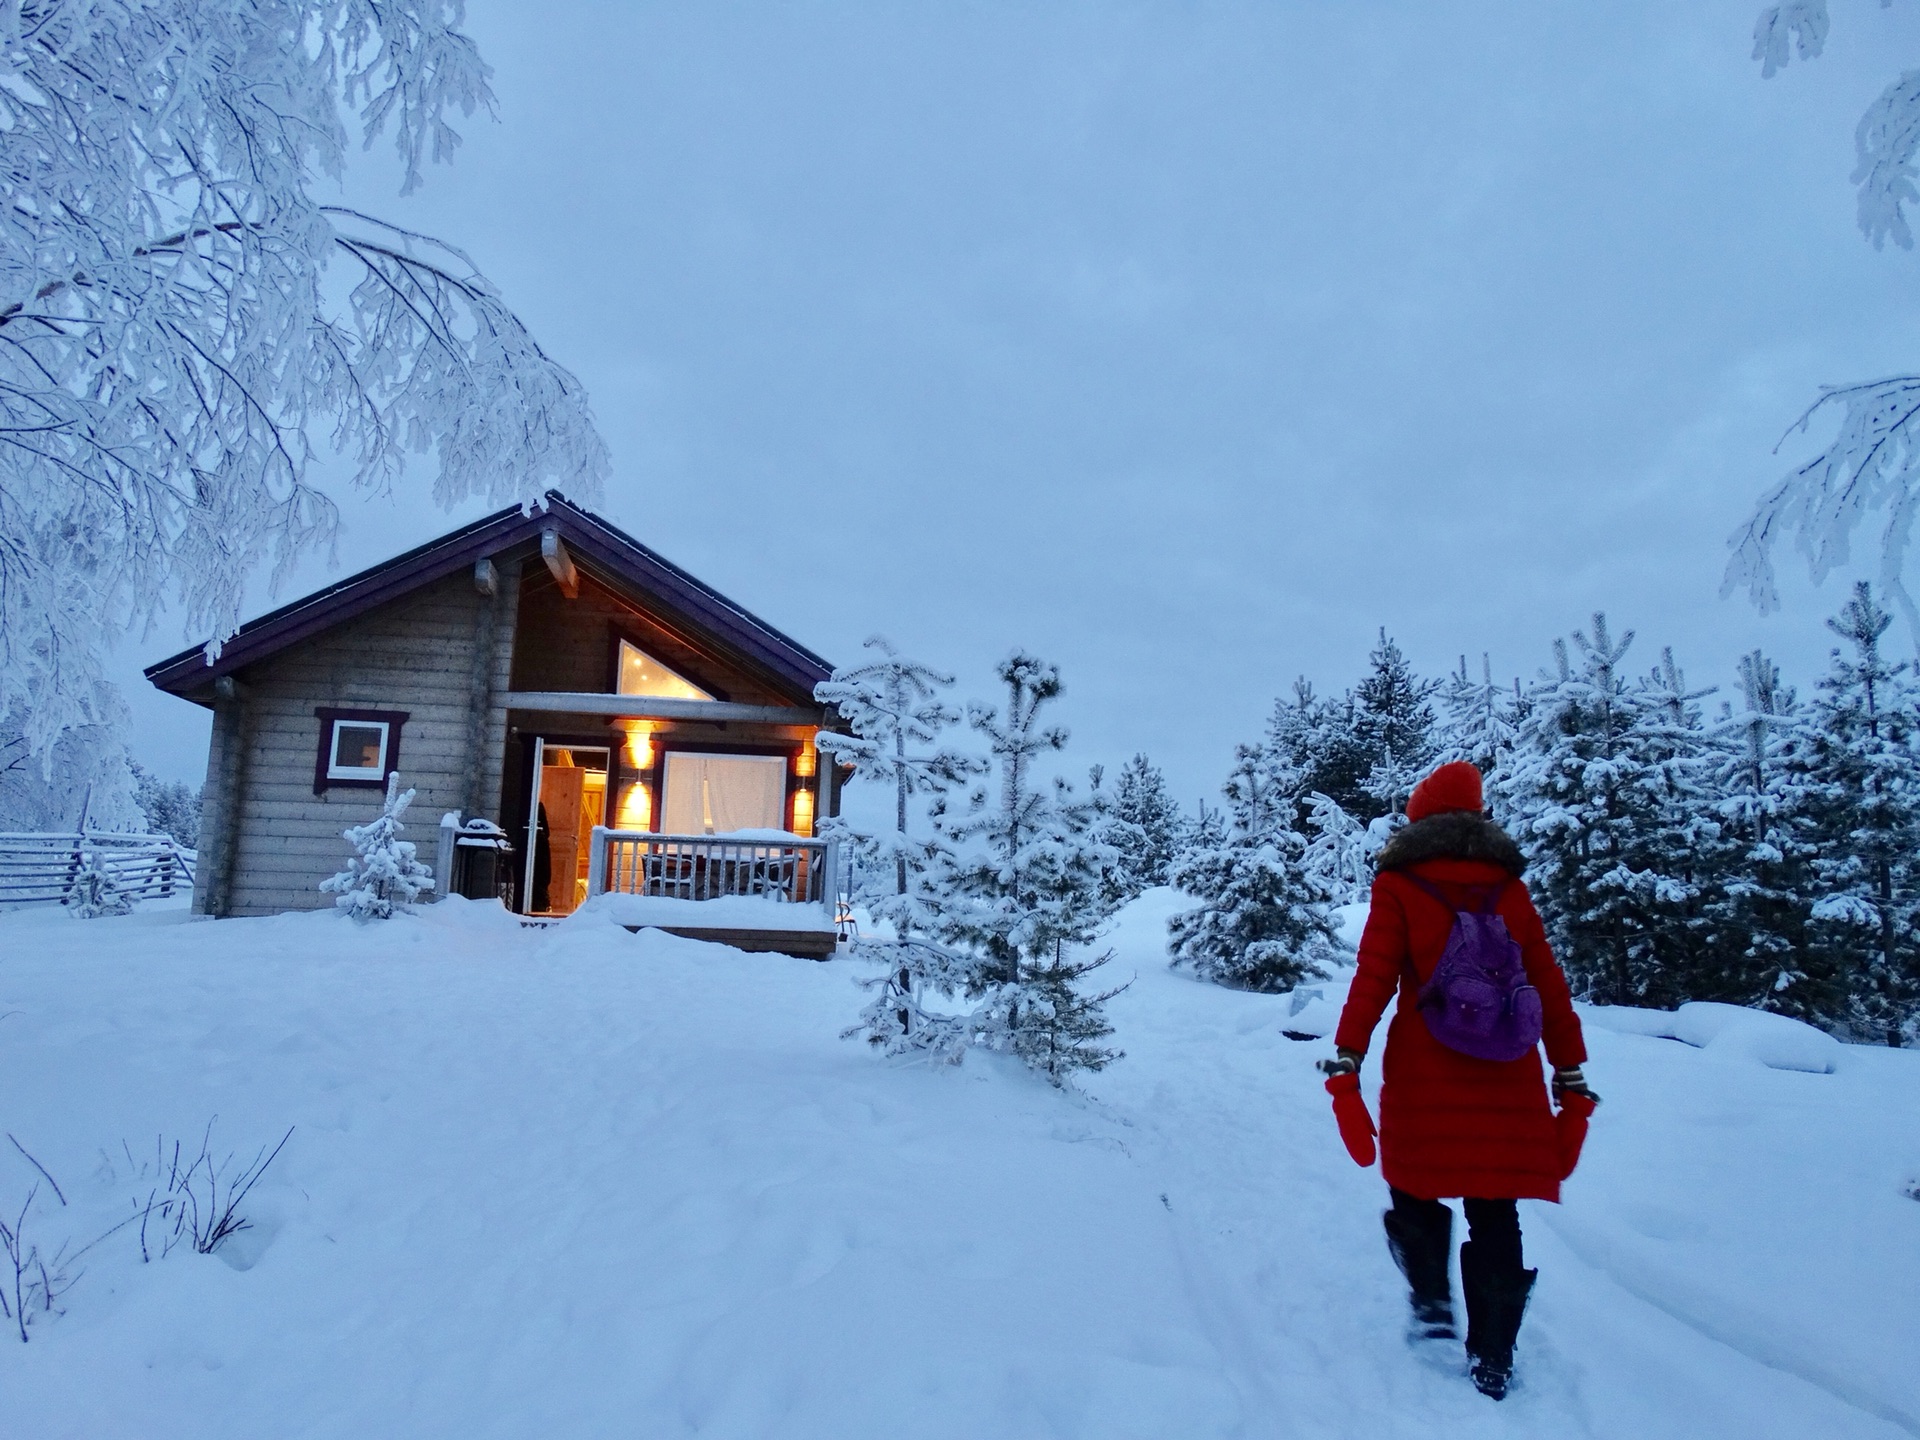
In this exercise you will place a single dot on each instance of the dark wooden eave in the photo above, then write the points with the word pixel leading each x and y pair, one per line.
pixel 680 597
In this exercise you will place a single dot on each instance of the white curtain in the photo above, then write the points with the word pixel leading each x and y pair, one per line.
pixel 719 794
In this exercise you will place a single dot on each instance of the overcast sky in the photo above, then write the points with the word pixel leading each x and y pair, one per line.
pixel 1185 344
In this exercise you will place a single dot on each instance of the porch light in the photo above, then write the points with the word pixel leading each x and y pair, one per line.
pixel 636 801
pixel 636 808
pixel 808 760
pixel 803 812
pixel 639 744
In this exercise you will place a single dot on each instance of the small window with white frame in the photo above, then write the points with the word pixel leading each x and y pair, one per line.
pixel 357 747
pixel 359 750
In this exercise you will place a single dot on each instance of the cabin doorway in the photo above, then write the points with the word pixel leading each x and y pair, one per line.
pixel 569 798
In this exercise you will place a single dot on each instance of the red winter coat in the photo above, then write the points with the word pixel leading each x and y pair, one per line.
pixel 1450 1124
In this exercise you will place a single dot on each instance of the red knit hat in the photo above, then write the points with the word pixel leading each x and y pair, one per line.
pixel 1454 786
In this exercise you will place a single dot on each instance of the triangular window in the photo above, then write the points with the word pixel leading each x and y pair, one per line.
pixel 641 674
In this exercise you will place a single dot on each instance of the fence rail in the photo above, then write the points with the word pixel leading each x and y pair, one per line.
pixel 43 868
pixel 709 867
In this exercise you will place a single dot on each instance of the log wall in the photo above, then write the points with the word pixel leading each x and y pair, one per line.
pixel 443 655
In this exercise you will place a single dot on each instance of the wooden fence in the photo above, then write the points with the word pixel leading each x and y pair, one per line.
pixel 708 867
pixel 44 867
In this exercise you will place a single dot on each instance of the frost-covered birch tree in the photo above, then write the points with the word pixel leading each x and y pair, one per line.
pixel 1869 472
pixel 186 328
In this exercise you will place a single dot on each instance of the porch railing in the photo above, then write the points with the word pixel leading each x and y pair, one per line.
pixel 710 867
pixel 43 867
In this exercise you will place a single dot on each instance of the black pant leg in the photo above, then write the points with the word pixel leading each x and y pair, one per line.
pixel 1427 1213
pixel 1494 1228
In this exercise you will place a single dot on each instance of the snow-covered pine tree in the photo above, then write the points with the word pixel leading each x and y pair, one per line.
pixel 898 716
pixel 1582 799
pixel 1759 911
pixel 1025 890
pixel 1479 721
pixel 1339 859
pixel 172 807
pixel 1679 842
pixel 1867 825
pixel 382 876
pixel 1323 742
pixel 1262 924
pixel 1145 825
pixel 1392 715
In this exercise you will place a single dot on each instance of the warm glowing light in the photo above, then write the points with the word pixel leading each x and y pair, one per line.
pixel 809 759
pixel 636 808
pixel 641 674
pixel 803 812
pixel 639 744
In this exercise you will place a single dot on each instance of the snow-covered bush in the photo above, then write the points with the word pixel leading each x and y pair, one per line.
pixel 383 875
pixel 94 892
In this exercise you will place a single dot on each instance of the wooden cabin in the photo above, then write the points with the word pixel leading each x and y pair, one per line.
pixel 629 729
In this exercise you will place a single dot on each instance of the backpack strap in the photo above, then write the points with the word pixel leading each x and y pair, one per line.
pixel 1485 907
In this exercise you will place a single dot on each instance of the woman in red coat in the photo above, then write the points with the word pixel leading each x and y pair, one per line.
pixel 1451 1124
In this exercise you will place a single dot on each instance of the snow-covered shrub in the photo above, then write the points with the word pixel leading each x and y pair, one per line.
pixel 383 875
pixel 94 892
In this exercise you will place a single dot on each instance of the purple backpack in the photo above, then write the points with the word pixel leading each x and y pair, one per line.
pixel 1478 1001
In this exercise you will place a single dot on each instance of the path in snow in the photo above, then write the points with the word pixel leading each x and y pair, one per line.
pixel 586 1183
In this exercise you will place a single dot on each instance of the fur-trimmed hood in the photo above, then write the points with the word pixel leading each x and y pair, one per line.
pixel 1451 835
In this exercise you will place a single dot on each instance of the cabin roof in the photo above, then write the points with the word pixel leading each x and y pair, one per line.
pixel 607 549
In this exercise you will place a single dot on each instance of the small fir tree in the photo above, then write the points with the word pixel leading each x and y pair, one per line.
pixel 1026 891
pixel 1479 724
pixel 93 891
pixel 1262 923
pixel 1759 911
pixel 1339 859
pixel 1586 796
pixel 1393 720
pixel 895 709
pixel 1145 826
pixel 1866 801
pixel 382 876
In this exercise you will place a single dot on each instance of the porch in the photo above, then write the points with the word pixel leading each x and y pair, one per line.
pixel 760 891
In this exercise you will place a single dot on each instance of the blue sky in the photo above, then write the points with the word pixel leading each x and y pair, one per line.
pixel 1185 344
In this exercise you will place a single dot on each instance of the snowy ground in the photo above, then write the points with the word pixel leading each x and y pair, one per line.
pixel 580 1182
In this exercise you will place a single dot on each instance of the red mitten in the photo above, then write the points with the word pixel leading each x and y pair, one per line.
pixel 1350 1112
pixel 1571 1124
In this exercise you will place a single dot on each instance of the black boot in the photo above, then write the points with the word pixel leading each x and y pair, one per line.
pixel 1421 1243
pixel 1496 1299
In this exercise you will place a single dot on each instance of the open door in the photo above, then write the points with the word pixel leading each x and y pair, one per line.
pixel 569 798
